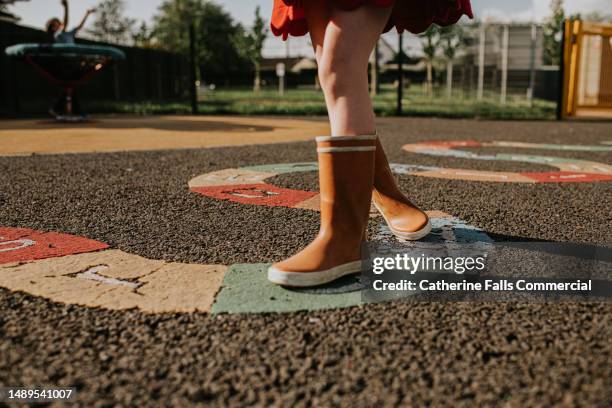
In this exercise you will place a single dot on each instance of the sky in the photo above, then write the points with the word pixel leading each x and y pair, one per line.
pixel 37 12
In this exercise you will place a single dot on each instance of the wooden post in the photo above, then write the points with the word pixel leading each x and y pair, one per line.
pixel 449 78
pixel 532 63
pixel 504 79
pixel 481 62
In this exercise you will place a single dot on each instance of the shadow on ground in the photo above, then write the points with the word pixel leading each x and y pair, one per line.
pixel 178 124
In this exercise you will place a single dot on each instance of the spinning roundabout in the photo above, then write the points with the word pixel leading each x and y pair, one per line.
pixel 72 269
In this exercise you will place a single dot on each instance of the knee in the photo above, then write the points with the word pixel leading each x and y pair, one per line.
pixel 335 75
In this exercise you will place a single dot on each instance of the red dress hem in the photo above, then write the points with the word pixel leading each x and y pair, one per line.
pixel 416 16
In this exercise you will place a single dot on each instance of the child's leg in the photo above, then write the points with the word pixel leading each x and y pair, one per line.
pixel 343 42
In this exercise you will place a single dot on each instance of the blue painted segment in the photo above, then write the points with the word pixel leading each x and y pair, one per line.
pixel 461 154
pixel 444 231
pixel 410 168
pixel 283 168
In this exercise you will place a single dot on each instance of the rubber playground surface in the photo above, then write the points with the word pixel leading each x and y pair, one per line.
pixel 133 254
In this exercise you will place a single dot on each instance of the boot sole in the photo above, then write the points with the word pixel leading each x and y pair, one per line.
pixel 308 279
pixel 407 236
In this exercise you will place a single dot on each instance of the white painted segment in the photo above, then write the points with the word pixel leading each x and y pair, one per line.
pixel 21 243
pixel 92 274
pixel 345 138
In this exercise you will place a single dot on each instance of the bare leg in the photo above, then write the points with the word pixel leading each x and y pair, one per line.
pixel 343 42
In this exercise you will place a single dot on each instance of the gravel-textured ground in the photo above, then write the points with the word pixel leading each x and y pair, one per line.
pixel 440 354
pixel 415 353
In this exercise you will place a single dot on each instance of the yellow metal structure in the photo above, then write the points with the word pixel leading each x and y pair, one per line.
pixel 587 73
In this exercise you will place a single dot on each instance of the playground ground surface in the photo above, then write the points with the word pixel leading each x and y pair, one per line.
pixel 133 250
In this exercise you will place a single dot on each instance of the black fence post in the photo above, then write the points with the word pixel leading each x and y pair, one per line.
pixel 15 88
pixel 562 68
pixel 400 73
pixel 192 71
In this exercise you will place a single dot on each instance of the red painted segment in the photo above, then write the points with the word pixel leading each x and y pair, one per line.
pixel 22 245
pixel 567 177
pixel 256 194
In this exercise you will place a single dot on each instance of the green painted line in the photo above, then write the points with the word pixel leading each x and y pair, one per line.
pixel 547 146
pixel 245 289
pixel 575 148
pixel 284 167
pixel 535 159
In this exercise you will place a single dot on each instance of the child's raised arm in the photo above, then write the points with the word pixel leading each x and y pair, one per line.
pixel 66 14
pixel 84 20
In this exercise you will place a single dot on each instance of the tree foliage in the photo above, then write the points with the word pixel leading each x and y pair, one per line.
pixel 430 41
pixel 110 24
pixel 593 16
pixel 143 36
pixel 252 45
pixel 553 32
pixel 254 39
pixel 451 39
pixel 218 37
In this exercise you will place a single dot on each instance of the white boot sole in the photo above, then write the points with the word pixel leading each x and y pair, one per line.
pixel 307 279
pixel 407 236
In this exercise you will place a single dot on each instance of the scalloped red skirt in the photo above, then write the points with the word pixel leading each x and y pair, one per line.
pixel 412 15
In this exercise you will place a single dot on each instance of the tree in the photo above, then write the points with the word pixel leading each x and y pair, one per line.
pixel 143 37
pixel 110 24
pixel 431 41
pixel 553 32
pixel 253 46
pixel 5 8
pixel 218 37
pixel 451 39
pixel 593 16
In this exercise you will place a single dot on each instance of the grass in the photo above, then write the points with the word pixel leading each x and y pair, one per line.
pixel 311 103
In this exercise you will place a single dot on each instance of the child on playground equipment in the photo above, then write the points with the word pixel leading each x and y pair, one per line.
pixel 59 30
pixel 353 167
pixel 60 34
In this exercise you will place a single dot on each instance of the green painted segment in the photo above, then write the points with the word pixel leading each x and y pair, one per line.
pixel 282 168
pixel 574 148
pixel 548 146
pixel 535 159
pixel 246 289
